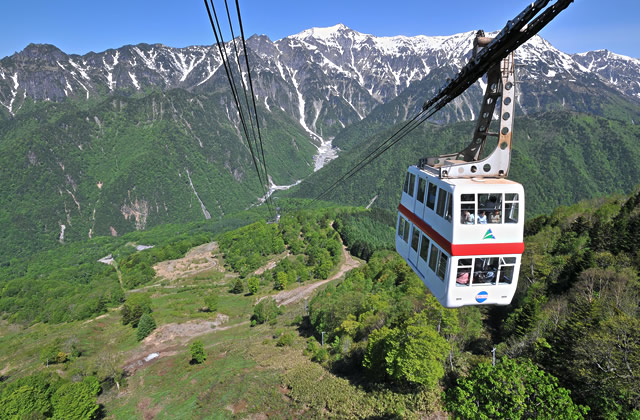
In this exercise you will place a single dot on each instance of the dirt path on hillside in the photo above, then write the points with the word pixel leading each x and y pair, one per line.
pixel 287 297
pixel 271 264
pixel 171 339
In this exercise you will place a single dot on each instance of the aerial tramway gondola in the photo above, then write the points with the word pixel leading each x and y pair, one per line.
pixel 460 221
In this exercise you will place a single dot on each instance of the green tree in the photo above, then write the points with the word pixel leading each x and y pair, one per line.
pixel 413 352
pixel 145 326
pixel 304 273
pixel 253 284
pixel 292 276
pixel 511 390
pixel 605 359
pixel 238 286
pixel 93 384
pixel 76 400
pixel 108 368
pixel 29 397
pixel 136 305
pixel 211 301
pixel 281 281
pixel 198 355
pixel 265 310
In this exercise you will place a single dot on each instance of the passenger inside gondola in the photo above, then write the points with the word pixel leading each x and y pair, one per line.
pixel 495 217
pixel 464 272
pixel 463 276
pixel 482 219
pixel 485 271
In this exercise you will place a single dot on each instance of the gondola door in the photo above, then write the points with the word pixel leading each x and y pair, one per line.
pixel 414 244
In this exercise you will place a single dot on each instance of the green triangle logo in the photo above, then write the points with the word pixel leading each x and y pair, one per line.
pixel 489 235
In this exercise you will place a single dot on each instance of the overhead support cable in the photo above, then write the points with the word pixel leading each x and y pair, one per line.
pixel 240 73
pixel 217 31
pixel 253 96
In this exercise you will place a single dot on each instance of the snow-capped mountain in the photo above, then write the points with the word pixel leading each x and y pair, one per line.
pixel 620 71
pixel 325 78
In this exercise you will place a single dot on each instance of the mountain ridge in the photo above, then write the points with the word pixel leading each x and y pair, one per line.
pixel 334 51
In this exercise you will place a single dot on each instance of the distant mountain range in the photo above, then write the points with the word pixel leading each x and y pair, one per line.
pixel 108 142
pixel 335 75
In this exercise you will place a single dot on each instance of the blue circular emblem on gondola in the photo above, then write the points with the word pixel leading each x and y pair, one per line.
pixel 481 297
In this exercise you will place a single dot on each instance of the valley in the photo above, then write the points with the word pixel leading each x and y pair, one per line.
pixel 146 273
pixel 141 135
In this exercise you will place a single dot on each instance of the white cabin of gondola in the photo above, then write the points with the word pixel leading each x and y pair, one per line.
pixel 463 237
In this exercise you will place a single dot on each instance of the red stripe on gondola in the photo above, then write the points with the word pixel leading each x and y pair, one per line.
pixel 428 230
pixel 461 249
pixel 487 249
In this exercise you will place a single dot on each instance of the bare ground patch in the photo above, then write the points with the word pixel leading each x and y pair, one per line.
pixel 148 412
pixel 271 264
pixel 201 258
pixel 238 407
pixel 170 339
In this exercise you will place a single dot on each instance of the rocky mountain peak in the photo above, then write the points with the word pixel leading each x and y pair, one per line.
pixel 335 72
pixel 42 52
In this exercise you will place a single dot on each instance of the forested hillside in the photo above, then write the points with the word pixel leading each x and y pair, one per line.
pixel 372 342
pixel 75 170
pixel 560 158
pixel 69 283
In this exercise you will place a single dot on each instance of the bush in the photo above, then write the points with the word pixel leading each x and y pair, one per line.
pixel 61 357
pixel 198 355
pixel 312 346
pixel 321 356
pixel 317 353
pixel 52 354
pixel 285 339
pixel 265 310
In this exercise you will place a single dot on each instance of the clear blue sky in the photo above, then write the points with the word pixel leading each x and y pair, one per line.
pixel 81 26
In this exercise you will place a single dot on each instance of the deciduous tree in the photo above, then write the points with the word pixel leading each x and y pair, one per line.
pixel 511 390
pixel 211 301
pixel 136 305
pixel 75 401
pixel 281 281
pixel 253 284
